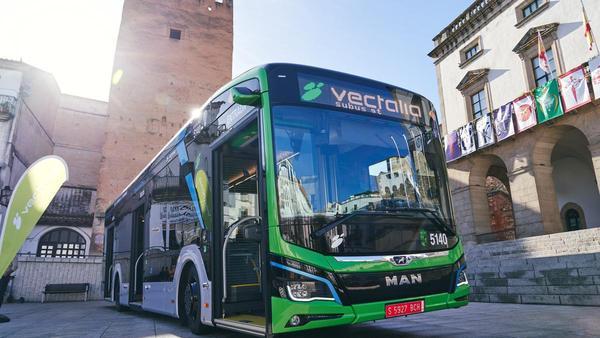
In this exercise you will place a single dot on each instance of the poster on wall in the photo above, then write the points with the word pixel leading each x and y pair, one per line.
pixel 574 89
pixel 466 135
pixel 503 121
pixel 547 100
pixel 524 110
pixel 595 75
pixel 484 130
pixel 451 146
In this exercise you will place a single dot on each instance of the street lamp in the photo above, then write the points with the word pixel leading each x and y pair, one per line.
pixel 5 195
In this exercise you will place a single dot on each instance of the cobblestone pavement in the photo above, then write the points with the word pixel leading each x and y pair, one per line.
pixel 99 319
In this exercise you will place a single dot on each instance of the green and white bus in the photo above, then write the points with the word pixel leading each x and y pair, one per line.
pixel 300 198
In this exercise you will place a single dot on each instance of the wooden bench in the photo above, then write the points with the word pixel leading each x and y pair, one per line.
pixel 65 289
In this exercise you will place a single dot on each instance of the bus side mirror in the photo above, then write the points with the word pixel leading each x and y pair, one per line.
pixel 245 97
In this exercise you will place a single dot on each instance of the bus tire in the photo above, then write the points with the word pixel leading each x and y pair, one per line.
pixel 117 295
pixel 192 302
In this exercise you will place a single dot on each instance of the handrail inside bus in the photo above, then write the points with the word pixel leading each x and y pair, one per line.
pixel 232 227
pixel 136 263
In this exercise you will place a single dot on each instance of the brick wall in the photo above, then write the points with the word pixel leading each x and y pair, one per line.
pixel 562 268
pixel 34 273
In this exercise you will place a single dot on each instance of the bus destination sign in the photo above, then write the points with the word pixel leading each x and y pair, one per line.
pixel 392 102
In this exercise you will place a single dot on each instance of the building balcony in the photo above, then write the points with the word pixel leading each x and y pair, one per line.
pixel 71 207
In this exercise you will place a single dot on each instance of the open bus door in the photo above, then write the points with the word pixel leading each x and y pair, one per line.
pixel 241 246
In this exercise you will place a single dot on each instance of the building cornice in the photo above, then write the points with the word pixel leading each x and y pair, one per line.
pixel 471 77
pixel 530 38
pixel 475 17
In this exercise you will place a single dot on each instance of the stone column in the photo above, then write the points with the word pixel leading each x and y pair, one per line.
pixel 547 199
pixel 595 153
pixel 526 207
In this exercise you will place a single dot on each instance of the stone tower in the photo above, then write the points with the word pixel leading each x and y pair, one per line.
pixel 170 57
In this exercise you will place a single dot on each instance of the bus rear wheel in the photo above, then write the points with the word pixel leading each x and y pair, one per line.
pixel 191 302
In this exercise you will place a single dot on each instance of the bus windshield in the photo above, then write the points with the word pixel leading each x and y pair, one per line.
pixel 360 184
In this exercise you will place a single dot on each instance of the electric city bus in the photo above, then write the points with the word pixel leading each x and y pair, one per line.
pixel 299 198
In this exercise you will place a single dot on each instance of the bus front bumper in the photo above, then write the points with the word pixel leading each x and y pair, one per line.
pixel 318 314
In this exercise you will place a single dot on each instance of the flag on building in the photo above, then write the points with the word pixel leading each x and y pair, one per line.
pixel 466 134
pixel 574 89
pixel 587 30
pixel 524 108
pixel 503 121
pixel 544 65
pixel 485 132
pixel 451 144
pixel 547 101
pixel 595 76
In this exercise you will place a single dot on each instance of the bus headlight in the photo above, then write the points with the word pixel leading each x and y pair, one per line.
pixel 304 291
pixel 302 283
pixel 461 275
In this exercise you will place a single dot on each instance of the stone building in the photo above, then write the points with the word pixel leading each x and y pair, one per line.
pixel 36 119
pixel 528 206
pixel 170 57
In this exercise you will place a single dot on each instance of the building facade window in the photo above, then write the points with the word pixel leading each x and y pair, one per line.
pixel 572 220
pixel 531 8
pixel 62 242
pixel 471 52
pixel 479 105
pixel 175 34
pixel 540 76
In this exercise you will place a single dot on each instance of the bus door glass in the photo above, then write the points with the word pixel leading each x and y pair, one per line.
pixel 241 265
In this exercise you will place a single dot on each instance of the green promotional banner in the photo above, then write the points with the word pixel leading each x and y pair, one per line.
pixel 547 100
pixel 31 196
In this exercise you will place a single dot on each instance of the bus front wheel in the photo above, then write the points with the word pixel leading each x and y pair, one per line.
pixel 192 302
pixel 117 295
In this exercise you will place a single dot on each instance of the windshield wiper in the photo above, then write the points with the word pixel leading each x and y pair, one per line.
pixel 427 213
pixel 342 219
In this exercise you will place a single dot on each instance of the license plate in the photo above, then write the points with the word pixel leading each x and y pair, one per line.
pixel 403 309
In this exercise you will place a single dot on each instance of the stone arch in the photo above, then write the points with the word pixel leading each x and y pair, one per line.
pixel 484 167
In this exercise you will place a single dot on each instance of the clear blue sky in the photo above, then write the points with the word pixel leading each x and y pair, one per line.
pixel 386 40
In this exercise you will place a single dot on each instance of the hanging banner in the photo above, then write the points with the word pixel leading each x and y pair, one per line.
pixel 466 135
pixel 595 75
pixel 484 130
pixel 547 101
pixel 574 89
pixel 452 147
pixel 503 121
pixel 31 196
pixel 524 108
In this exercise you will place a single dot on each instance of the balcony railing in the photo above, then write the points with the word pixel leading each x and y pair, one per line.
pixel 71 207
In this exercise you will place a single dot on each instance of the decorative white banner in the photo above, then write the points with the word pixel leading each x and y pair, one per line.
pixel 503 121
pixel 574 89
pixel 595 75
pixel 524 108
pixel 466 135
pixel 485 132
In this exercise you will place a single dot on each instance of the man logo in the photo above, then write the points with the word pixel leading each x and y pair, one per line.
pixel 404 280
pixel 401 260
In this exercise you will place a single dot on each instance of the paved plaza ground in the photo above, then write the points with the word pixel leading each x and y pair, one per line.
pixel 99 319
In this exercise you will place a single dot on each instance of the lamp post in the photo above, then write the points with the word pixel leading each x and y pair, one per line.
pixel 5 194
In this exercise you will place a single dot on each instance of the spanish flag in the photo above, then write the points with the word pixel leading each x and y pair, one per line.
pixel 587 30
